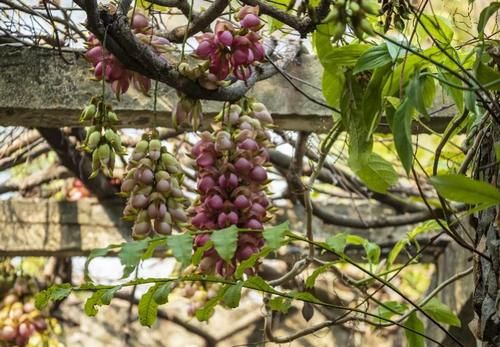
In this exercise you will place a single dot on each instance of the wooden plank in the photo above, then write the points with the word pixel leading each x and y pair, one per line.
pixel 37 89
pixel 39 227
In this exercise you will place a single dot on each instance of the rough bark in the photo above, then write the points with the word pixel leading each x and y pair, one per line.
pixel 486 299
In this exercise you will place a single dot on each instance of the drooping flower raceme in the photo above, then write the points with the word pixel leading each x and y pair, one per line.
pixel 232 182
pixel 107 66
pixel 152 183
pixel 230 49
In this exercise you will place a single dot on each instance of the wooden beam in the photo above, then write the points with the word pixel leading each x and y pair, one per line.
pixel 37 89
pixel 43 227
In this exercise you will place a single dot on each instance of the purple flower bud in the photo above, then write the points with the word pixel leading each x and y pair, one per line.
pixel 200 220
pixel 205 49
pixel 162 227
pixel 200 240
pixel 225 37
pixel 127 185
pixel 258 51
pixel 94 55
pixel 205 184
pixel 250 21
pixel 232 217
pixel 241 202
pixel 139 201
pixel 224 269
pixel 253 224
pixel 178 215
pixel 146 176
pixel 223 141
pixel 240 56
pixel 258 210
pixel 141 229
pixel 215 202
pixel 163 186
pixel 154 155
pixel 162 210
pixel 153 211
pixel 243 166
pixel 249 144
pixel 264 117
pixel 222 220
pixel 258 174
pixel 205 159
pixel 249 238
pixel 245 252
pixel 139 21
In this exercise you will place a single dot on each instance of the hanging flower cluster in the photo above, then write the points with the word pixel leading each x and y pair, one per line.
pixel 232 182
pixel 107 66
pixel 19 319
pixel 230 49
pixel 152 183
pixel 101 139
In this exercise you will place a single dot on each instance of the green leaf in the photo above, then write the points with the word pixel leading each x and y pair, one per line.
pixel 372 252
pixel 372 98
pixel 376 172
pixel 421 92
pixel 307 297
pixel 416 324
pixel 393 254
pixel 485 15
pixel 436 27
pixel 311 280
pixel 343 55
pixel 332 84
pixel 280 304
pixel 373 58
pixel 488 77
pixel 99 298
pixel 148 307
pixel 401 129
pixel 441 313
pixel 463 189
pixel 131 254
pixel 389 309
pixel 162 292
pixel 153 244
pixel 250 262
pixel 97 252
pixel 275 235
pixel 198 254
pixel 206 311
pixel 257 283
pixel 182 247
pixel 225 242
pixel 54 293
pixel 232 295
pixel 337 243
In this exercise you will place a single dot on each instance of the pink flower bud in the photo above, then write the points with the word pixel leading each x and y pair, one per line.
pixel 153 211
pixel 258 210
pixel 139 22
pixel 258 174
pixel 163 186
pixel 222 220
pixel 241 202
pixel 215 202
pixel 224 37
pixel 249 145
pixel 205 184
pixel 139 201
pixel 232 218
pixel 127 185
pixel 205 159
pixel 240 56
pixel 250 21
pixel 245 252
pixel 205 49
pixel 253 224
pixel 95 55
pixel 243 166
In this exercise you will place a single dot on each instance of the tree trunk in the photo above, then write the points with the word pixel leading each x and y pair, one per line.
pixel 486 297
